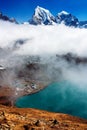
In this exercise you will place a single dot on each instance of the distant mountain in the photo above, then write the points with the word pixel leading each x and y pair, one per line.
pixel 67 18
pixel 83 24
pixel 43 16
pixel 6 18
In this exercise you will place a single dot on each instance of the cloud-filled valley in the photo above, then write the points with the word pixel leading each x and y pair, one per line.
pixel 21 43
pixel 48 54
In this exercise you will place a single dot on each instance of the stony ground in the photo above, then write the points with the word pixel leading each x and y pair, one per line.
pixel 12 118
pixel 31 119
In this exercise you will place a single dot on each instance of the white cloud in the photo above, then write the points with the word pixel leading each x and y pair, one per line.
pixel 44 41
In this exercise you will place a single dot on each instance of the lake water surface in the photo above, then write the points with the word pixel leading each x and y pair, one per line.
pixel 64 97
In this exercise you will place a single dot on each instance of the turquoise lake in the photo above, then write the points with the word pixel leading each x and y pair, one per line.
pixel 63 97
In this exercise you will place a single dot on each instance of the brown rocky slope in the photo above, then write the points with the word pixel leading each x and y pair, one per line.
pixel 31 119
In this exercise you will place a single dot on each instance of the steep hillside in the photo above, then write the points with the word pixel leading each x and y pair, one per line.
pixel 31 119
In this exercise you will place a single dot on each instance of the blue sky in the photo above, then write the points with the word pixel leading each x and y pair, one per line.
pixel 22 10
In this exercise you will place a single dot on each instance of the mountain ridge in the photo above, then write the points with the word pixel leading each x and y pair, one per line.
pixel 64 17
pixel 42 16
pixel 6 18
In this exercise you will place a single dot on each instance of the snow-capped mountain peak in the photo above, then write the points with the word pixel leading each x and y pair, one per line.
pixel 67 18
pixel 42 16
pixel 63 12
pixel 39 10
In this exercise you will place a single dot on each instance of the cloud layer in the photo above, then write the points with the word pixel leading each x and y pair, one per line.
pixel 19 42
pixel 43 40
pixel 25 44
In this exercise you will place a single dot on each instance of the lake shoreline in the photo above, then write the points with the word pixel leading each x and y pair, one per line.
pixel 8 95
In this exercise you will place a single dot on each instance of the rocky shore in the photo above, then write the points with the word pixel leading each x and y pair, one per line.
pixel 8 95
